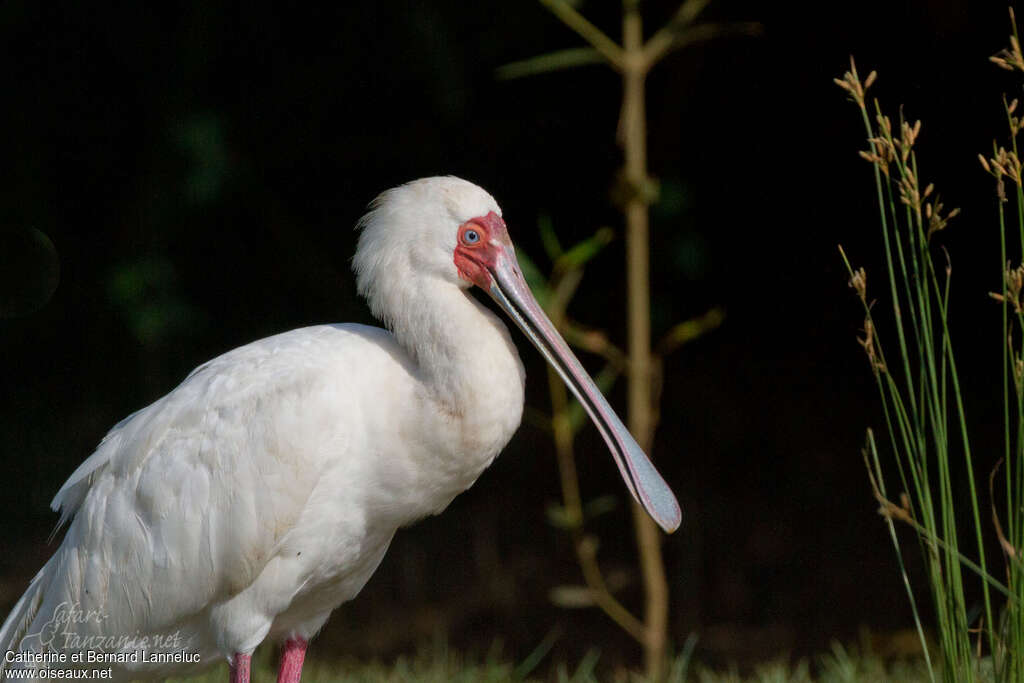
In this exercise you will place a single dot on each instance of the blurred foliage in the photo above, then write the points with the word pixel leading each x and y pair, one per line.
pixel 148 294
pixel 553 61
pixel 689 254
pixel 592 509
pixel 437 663
pixel 29 271
pixel 562 261
pixel 201 138
pixel 554 293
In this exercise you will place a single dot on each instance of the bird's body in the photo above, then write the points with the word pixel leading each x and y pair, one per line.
pixel 263 491
pixel 244 501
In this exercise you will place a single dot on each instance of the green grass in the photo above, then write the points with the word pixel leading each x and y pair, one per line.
pixel 439 664
pixel 939 491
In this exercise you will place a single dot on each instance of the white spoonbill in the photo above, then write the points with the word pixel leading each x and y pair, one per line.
pixel 262 492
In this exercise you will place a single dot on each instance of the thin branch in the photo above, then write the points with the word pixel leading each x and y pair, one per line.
pixel 585 545
pixel 563 291
pixel 688 12
pixel 661 42
pixel 552 61
pixel 586 551
pixel 594 341
pixel 654 52
pixel 590 33
pixel 688 330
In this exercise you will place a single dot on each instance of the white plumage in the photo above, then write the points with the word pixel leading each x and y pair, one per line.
pixel 263 491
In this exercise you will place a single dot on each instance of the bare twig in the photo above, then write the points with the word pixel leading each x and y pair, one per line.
pixel 553 61
pixel 590 33
pixel 662 41
pixel 688 330
pixel 585 544
pixel 633 59
pixel 596 342
pixel 653 53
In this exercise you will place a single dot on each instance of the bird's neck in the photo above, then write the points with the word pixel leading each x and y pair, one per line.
pixel 470 391
pixel 463 352
pixel 472 380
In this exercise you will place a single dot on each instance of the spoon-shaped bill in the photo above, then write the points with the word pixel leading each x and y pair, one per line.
pixel 511 292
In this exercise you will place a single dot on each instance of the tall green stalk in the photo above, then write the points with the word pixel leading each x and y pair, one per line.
pixel 924 406
pixel 633 59
pixel 554 292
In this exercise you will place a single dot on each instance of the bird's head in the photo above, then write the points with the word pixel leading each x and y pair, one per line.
pixel 442 227
pixel 449 229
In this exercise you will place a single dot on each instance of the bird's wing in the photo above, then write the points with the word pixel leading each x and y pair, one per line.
pixel 184 502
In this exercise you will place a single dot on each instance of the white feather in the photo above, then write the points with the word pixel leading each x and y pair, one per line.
pixel 263 491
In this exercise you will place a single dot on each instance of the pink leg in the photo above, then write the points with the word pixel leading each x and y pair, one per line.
pixel 240 669
pixel 292 656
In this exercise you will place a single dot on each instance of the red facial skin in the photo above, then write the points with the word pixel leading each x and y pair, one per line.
pixel 474 261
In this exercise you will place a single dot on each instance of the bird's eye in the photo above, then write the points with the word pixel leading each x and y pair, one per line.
pixel 471 237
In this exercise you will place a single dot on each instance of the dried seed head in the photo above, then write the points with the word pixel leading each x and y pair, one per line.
pixel 881 154
pixel 908 136
pixel 1014 283
pixel 868 342
pixel 1013 280
pixel 915 130
pixel 936 221
pixel 858 282
pixel 907 186
pixel 851 83
pixel 884 147
pixel 1013 166
pixel 1016 362
pixel 1015 125
pixel 1006 163
pixel 886 124
pixel 1010 58
pixel 996 165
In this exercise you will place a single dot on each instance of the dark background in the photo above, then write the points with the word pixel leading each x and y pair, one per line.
pixel 199 168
